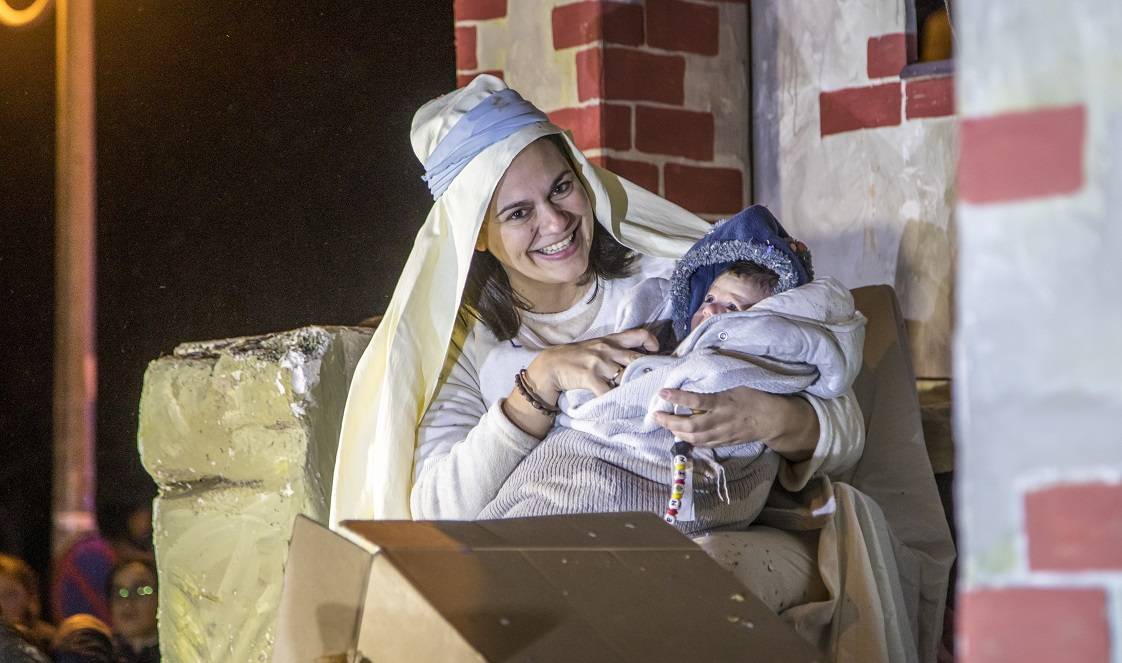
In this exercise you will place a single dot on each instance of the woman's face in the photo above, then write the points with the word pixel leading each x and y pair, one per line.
pixel 132 601
pixel 539 227
pixel 15 602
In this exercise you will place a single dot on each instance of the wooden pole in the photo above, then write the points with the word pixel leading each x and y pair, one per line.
pixel 75 362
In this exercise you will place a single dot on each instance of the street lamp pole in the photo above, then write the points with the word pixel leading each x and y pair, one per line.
pixel 75 355
pixel 75 388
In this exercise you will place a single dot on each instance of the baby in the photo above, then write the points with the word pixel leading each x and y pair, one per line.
pixel 742 318
pixel 740 287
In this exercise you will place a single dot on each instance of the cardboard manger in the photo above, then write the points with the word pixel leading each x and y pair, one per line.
pixel 597 587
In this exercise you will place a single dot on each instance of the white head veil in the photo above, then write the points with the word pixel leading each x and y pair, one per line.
pixel 396 376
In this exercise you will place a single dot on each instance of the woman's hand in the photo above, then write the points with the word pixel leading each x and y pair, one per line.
pixel 786 424
pixel 594 364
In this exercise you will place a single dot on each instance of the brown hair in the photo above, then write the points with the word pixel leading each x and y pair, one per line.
pixel 489 297
pixel 20 571
pixel 762 277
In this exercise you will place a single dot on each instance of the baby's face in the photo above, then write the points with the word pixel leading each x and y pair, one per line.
pixel 728 292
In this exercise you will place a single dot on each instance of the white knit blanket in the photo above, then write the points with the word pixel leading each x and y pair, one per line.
pixel 606 453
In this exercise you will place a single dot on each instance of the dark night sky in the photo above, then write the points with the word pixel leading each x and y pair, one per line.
pixel 254 175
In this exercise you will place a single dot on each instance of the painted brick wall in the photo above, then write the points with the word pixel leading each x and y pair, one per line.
pixel 655 90
pixel 856 161
pixel 1038 409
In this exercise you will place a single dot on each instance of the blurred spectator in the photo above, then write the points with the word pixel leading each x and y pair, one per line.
pixel 19 600
pixel 15 648
pixel 84 639
pixel 132 602
pixel 82 573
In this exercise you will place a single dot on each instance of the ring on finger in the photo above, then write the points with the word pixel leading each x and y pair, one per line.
pixel 614 380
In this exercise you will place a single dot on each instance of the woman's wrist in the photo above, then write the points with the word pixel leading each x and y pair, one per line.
pixel 793 428
pixel 525 415
pixel 539 381
pixel 526 390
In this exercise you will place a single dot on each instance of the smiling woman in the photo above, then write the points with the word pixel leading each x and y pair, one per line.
pixel 544 247
pixel 538 252
pixel 540 228
pixel 511 296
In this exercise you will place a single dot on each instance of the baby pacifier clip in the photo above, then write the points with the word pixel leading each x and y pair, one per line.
pixel 680 505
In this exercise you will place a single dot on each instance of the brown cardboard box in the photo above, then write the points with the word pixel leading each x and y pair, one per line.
pixel 598 587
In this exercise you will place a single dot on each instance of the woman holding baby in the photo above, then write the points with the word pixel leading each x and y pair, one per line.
pixel 512 296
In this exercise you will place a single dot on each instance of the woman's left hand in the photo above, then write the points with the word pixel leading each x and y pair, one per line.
pixel 786 424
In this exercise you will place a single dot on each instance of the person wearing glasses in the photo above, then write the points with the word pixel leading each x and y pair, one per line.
pixel 132 604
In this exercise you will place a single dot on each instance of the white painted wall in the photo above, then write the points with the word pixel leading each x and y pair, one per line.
pixel 1039 343
pixel 874 205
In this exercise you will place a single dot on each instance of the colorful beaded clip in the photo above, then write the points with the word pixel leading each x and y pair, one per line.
pixel 683 465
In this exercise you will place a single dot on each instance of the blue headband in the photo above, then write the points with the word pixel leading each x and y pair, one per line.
pixel 492 120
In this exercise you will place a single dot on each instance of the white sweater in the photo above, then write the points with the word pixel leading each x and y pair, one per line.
pixel 467 447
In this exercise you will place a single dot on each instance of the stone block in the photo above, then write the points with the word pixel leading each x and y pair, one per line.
pixel 641 173
pixel 704 190
pixel 479 10
pixel 220 554
pixel 859 108
pixel 240 436
pixel 1075 527
pixel 886 55
pixel 466 50
pixel 929 97
pixel 675 25
pixel 618 74
pixel 1034 625
pixel 596 126
pixel 674 132
pixel 1022 155
pixel 586 22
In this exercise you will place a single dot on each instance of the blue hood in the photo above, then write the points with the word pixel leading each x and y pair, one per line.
pixel 753 235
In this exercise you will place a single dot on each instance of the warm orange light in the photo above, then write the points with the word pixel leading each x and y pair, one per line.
pixel 18 18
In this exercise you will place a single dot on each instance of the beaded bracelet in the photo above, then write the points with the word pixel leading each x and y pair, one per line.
pixel 522 381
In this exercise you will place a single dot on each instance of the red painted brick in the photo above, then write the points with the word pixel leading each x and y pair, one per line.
pixel 912 41
pixel 641 173
pixel 859 108
pixel 585 22
pixel 704 190
pixel 1033 626
pixel 618 74
pixel 676 25
pixel 929 97
pixel 674 132
pixel 886 55
pixel 464 79
pixel 466 59
pixel 478 10
pixel 1075 527
pixel 598 126
pixel 1016 156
